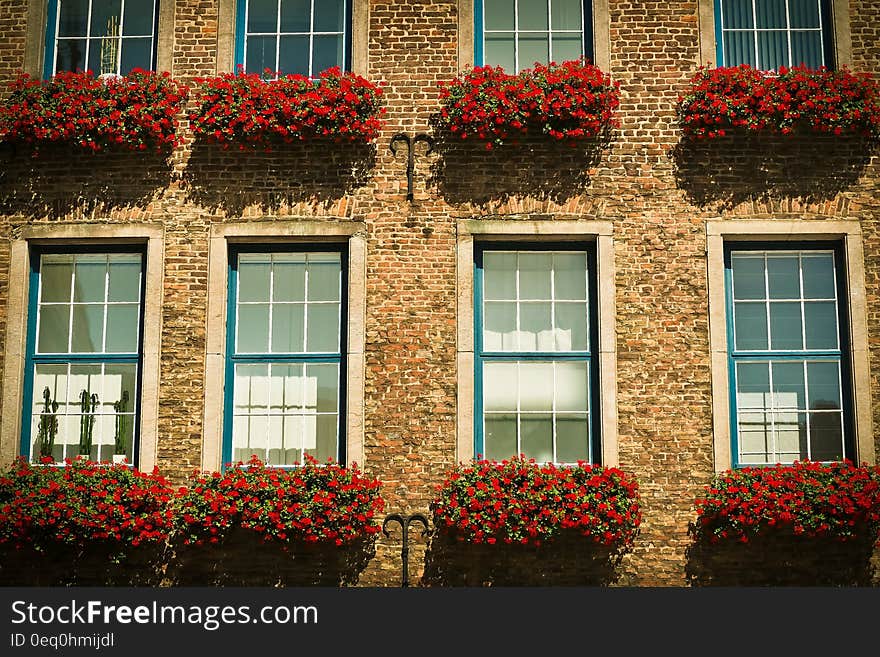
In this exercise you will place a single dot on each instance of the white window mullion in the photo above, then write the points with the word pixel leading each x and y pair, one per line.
pixel 121 32
pixel 311 38
pixel 277 41
pixel 807 413
pixel 88 33
pixel 755 26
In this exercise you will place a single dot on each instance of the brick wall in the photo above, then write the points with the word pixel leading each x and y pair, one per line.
pixel 656 193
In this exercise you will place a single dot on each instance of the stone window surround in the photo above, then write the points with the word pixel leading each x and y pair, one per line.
pixel 360 26
pixel 718 232
pixel 527 231
pixel 352 234
pixel 16 332
pixel 840 29
pixel 601 34
pixel 35 39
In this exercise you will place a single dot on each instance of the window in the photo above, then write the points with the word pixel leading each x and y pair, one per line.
pixel 536 360
pixel 767 34
pixel 293 36
pixel 83 362
pixel 284 363
pixel 514 34
pixel 103 36
pixel 787 342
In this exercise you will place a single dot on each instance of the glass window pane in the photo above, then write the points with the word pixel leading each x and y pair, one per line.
pixel 288 327
pixel 753 385
pixel 251 392
pixel 755 437
pixel 324 281
pixel 103 56
pixel 818 273
pixel 253 328
pixel 253 279
pixel 261 55
pixel 289 283
pixel 325 379
pixel 737 13
pixel 498 14
pixel 125 280
pixel 292 439
pixel 570 276
pixel 55 280
pixel 329 16
pixel 536 437
pixel 70 55
pixel 572 438
pixel 285 387
pixel 119 404
pixel 536 386
pixel 323 328
pixel 500 385
pixel 571 327
pixel 499 436
pixel 89 278
pixel 262 15
pixel 783 276
pixel 566 15
pixel 772 50
pixel 785 326
pixel 750 326
pixel 532 15
pixel 821 319
pixel 49 394
pixel 823 382
pixel 533 48
pixel 73 16
pixel 274 441
pixel 566 48
pixel 53 332
pixel 499 51
pixel 788 386
pixel 770 13
pixel 105 17
pixel 84 378
pixel 499 275
pixel 748 278
pixel 806 49
pixel 826 436
pixel 572 387
pixel 294 57
pixel 296 15
pixel 136 53
pixel 790 433
pixel 138 19
pixel 328 53
pixel 803 13
pixel 88 329
pixel 326 441
pixel 499 327
pixel 534 275
pixel 123 328
pixel 739 48
pixel 535 333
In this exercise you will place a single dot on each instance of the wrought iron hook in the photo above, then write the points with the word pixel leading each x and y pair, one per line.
pixel 410 155
pixel 405 522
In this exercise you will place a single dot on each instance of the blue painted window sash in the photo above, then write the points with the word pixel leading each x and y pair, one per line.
pixel 32 359
pixel 233 358
pixel 241 33
pixel 479 33
pixel 591 357
pixel 735 356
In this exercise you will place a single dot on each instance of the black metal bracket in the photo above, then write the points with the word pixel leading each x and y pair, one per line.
pixel 405 522
pixel 410 156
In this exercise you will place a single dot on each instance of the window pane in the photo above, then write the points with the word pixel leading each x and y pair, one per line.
pixel 262 16
pixel 826 437
pixel 500 436
pixel 73 16
pixel 138 18
pixel 532 14
pixel 136 53
pixel 750 326
pixel 294 56
pixel 253 328
pixel 755 437
pixel 261 55
pixel 323 328
pixel 748 278
pixel 571 327
pixel 790 433
pixel 536 437
pixel 536 386
pixel 566 14
pixel 566 48
pixel 288 328
pixel 105 17
pixel 500 51
pixel 500 385
pixel 534 275
pixel 499 331
pixel 823 379
pixel 783 276
pixel 326 446
pixel 54 326
pixel 739 48
pixel 533 48
pixel 570 276
pixel 737 13
pixel 328 53
pixel 324 280
pixel 326 382
pixel 329 16
pixel 536 333
pixel 88 329
pixel 289 282
pixel 753 385
pixel 785 326
pixel 499 275
pixel 119 404
pixel 253 280
pixel 296 15
pixel 84 378
pixel 122 328
pixel 788 386
pixel 286 387
pixel 572 438
pixel 821 319
pixel 818 273
pixel 498 14
pixel 55 279
pixel 803 13
pixel 89 278
pixel 772 50
pixel 572 387
pixel 291 439
pixel 49 394
pixel 125 280
pixel 71 55
pixel 251 388
pixel 806 48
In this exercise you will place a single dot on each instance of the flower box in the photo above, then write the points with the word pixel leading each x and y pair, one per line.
pixel 571 101
pixel 794 101
pixel 253 113
pixel 136 112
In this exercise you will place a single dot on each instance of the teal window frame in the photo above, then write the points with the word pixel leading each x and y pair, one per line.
pixel 33 359
pixel 590 356
pixel 839 355
pixel 480 32
pixel 826 31
pixel 52 36
pixel 233 357
pixel 241 36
